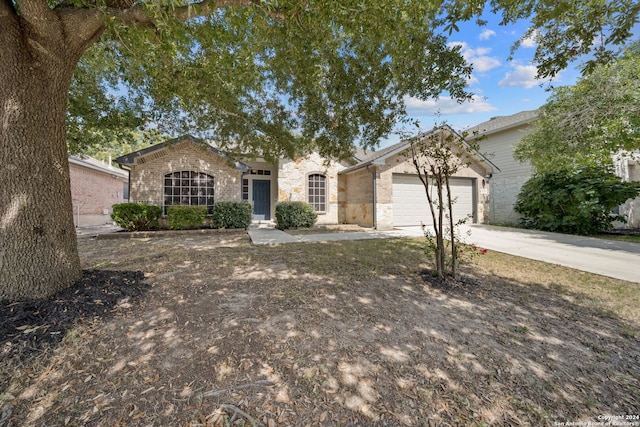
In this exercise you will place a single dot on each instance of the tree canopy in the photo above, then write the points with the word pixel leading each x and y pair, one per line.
pixel 283 77
pixel 268 77
pixel 589 122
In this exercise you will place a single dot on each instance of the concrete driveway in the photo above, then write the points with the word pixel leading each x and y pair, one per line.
pixel 611 258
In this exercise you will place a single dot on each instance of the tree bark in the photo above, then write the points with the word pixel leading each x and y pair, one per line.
pixel 38 249
pixel 39 50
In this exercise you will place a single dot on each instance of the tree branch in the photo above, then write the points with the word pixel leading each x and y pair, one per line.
pixel 137 15
pixel 6 9
pixel 38 14
pixel 82 27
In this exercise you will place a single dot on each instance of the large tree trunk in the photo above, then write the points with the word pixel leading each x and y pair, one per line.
pixel 38 249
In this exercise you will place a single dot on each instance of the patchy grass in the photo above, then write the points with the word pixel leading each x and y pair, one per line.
pixel 344 333
pixel 633 238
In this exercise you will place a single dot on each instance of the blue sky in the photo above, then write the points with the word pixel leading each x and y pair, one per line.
pixel 501 87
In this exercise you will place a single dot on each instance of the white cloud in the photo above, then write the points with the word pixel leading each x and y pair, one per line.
pixel 530 41
pixel 472 80
pixel 445 106
pixel 486 34
pixel 479 57
pixel 522 76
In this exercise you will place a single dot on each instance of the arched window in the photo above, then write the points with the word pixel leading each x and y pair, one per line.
pixel 188 188
pixel 317 192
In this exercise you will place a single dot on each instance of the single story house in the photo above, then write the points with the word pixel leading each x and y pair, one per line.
pixel 95 187
pixel 503 134
pixel 379 190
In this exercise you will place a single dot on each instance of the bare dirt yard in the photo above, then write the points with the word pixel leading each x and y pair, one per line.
pixel 215 332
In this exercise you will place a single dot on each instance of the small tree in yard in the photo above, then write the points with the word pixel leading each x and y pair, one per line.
pixel 437 156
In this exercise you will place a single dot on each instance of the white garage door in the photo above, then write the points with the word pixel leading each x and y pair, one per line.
pixel 410 206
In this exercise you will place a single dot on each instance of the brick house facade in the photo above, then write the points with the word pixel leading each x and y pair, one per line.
pixel 187 170
pixel 95 188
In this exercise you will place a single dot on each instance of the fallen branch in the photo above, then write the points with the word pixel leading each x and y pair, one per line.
pixel 234 412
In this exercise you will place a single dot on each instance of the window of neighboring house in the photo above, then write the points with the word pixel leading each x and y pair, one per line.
pixel 188 188
pixel 125 191
pixel 317 191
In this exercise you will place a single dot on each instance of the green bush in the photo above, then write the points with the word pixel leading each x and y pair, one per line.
pixel 136 216
pixel 185 217
pixel 295 214
pixel 577 201
pixel 232 215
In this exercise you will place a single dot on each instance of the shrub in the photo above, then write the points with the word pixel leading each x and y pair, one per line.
pixel 136 216
pixel 232 215
pixel 184 217
pixel 295 214
pixel 577 201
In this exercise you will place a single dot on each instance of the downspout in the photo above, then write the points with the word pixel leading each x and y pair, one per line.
pixel 375 197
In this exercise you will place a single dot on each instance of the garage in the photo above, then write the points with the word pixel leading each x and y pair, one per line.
pixel 410 206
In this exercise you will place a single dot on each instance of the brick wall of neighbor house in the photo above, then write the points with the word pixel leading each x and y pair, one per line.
pixel 358 207
pixel 147 178
pixel 93 194
pixel 293 181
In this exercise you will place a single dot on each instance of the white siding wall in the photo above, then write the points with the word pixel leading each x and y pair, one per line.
pixel 506 184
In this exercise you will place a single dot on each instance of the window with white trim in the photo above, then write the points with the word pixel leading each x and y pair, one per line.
pixel 317 192
pixel 188 188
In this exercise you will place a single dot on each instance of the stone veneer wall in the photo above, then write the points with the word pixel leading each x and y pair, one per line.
pixel 94 192
pixel 358 202
pixel 147 175
pixel 293 181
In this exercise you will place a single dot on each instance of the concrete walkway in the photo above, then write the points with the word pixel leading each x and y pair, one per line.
pixel 620 260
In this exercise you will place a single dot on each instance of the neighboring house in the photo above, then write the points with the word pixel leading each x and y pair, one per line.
pixel 95 188
pixel 379 190
pixel 628 168
pixel 502 134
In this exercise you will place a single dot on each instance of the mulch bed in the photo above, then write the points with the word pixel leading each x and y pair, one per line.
pixel 29 326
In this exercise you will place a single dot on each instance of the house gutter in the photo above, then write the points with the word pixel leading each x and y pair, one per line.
pixel 375 201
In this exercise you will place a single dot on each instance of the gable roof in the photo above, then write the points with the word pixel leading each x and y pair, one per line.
pixel 501 123
pixel 97 165
pixel 379 157
pixel 130 159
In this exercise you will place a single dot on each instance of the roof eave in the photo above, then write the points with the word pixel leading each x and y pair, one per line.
pixel 129 160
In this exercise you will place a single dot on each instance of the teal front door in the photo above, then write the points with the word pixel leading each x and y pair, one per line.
pixel 261 199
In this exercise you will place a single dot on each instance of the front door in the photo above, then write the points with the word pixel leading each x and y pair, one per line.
pixel 261 199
